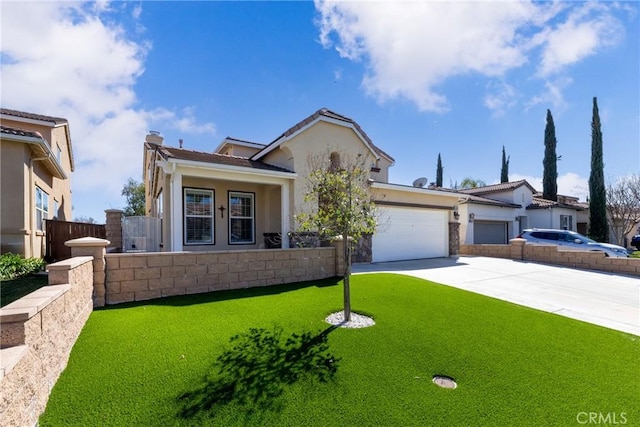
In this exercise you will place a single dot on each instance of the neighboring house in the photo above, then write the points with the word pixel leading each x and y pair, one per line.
pixel 243 193
pixel 496 213
pixel 36 162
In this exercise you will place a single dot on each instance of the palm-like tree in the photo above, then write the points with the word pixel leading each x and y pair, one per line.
pixel 471 183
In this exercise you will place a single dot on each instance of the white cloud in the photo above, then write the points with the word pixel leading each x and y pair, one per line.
pixel 500 97
pixel 410 48
pixel 586 29
pixel 71 60
pixel 553 94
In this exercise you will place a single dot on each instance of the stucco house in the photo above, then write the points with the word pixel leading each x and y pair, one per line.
pixel 242 193
pixel 36 163
pixel 494 214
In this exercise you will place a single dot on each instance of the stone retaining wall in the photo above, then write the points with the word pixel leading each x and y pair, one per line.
pixel 36 336
pixel 553 254
pixel 143 276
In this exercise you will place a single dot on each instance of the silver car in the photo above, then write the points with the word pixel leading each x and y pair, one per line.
pixel 572 240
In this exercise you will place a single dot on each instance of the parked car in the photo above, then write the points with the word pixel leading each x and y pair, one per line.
pixel 571 239
pixel 635 241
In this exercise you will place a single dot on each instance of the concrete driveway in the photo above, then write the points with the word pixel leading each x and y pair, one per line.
pixel 604 299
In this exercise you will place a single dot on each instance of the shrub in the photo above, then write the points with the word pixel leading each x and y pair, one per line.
pixel 13 266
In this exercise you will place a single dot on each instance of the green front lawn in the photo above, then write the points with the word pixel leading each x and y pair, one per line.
pixel 171 361
pixel 14 289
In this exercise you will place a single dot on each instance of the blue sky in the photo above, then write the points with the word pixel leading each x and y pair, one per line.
pixel 457 78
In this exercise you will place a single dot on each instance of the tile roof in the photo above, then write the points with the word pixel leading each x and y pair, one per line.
pixel 498 187
pixel 221 159
pixel 331 115
pixel 487 201
pixel 540 203
pixel 19 132
pixel 32 116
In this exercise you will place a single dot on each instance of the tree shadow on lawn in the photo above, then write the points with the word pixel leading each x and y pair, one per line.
pixel 254 372
pixel 192 299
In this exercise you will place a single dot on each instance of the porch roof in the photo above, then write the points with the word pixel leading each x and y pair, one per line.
pixel 214 158
pixel 490 202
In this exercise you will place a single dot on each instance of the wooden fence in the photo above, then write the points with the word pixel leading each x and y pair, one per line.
pixel 58 232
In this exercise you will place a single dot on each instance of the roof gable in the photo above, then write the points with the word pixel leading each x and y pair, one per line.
pixel 31 116
pixel 322 115
pixel 43 120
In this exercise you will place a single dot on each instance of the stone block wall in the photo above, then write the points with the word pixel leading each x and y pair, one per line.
pixel 36 336
pixel 518 249
pixel 114 230
pixel 143 276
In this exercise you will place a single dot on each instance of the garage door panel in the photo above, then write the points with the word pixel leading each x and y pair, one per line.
pixel 410 233
pixel 489 233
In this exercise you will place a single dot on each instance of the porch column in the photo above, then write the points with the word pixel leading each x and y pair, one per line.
pixel 176 212
pixel 284 209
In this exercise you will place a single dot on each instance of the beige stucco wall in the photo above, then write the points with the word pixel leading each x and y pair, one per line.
pixel 18 189
pixel 14 218
pixel 319 140
pixel 267 211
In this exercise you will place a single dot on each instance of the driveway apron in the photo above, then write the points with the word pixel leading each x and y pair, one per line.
pixel 604 299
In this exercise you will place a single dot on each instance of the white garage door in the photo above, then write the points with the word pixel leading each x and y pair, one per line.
pixel 411 233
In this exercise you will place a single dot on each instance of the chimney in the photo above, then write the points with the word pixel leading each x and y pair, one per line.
pixel 154 137
pixel 180 141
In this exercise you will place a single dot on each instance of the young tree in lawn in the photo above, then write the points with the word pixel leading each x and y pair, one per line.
pixel 345 207
pixel 504 171
pixel 550 172
pixel 598 228
pixel 439 172
pixel 134 193
pixel 623 206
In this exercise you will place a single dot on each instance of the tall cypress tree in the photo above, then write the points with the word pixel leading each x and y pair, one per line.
pixel 598 229
pixel 439 172
pixel 504 172
pixel 550 173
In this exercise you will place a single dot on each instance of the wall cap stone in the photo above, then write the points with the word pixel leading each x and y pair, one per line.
pixel 31 304
pixel 87 242
pixel 69 264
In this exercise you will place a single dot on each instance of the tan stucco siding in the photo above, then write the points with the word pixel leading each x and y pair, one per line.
pixel 15 198
pixel 415 197
pixel 319 140
pixel 240 150
pixel 19 183
pixel 266 211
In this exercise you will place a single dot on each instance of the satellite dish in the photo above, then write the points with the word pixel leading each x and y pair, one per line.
pixel 420 182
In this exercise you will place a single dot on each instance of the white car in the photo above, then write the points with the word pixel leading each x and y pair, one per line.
pixel 572 240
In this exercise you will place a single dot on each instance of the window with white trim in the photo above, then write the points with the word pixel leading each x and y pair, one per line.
pixel 566 222
pixel 42 208
pixel 198 217
pixel 241 218
pixel 58 154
